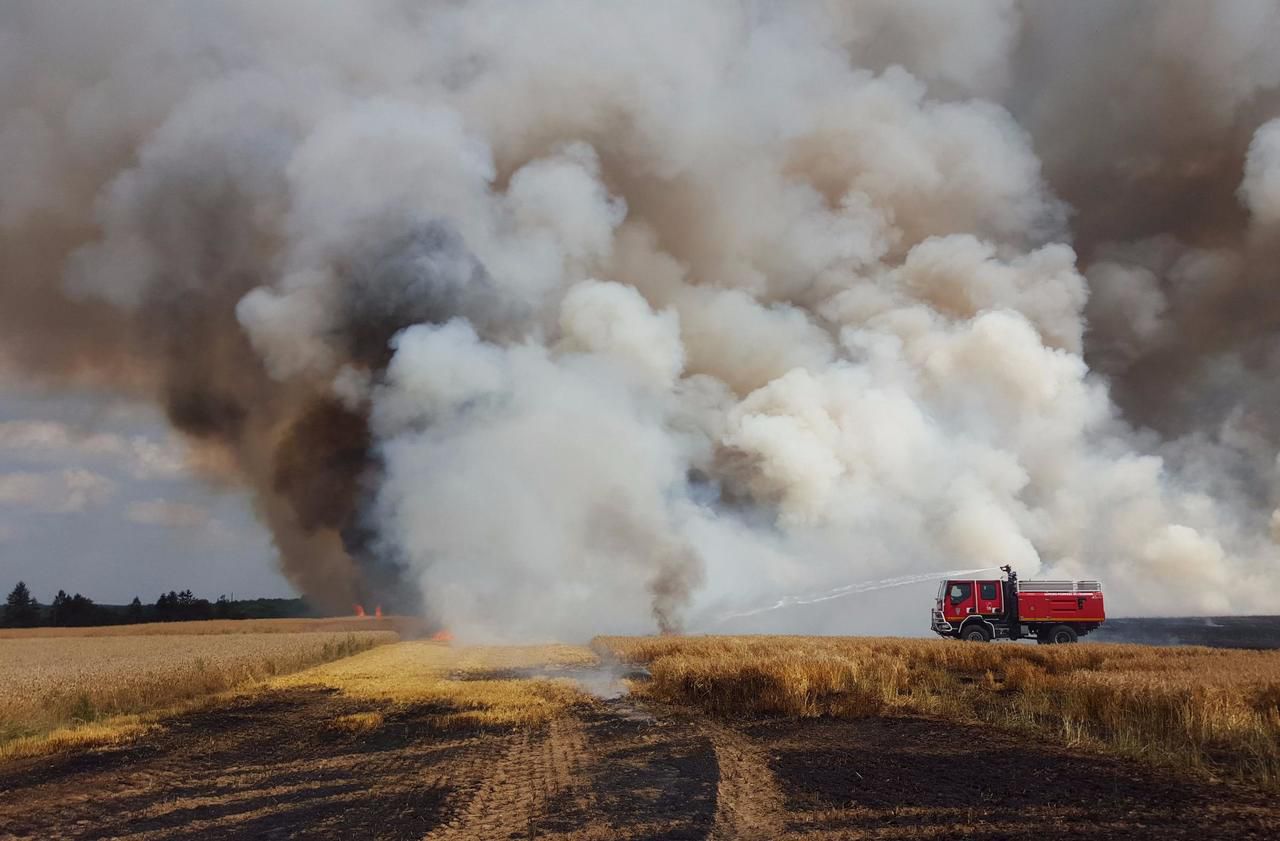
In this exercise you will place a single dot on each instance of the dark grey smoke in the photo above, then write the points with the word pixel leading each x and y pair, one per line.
pixel 425 276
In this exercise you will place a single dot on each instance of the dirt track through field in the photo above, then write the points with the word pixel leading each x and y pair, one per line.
pixel 274 766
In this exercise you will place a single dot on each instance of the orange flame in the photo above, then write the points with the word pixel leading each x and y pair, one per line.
pixel 360 610
pixel 442 635
pixel 377 612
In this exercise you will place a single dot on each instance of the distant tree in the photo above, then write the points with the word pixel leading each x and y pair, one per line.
pixel 20 609
pixel 19 596
pixel 82 611
pixel 181 607
pixel 60 612
pixel 135 610
pixel 167 606
pixel 194 608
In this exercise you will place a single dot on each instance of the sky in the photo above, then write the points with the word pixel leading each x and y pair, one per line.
pixel 95 498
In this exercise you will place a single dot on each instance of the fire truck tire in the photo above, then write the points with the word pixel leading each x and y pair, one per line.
pixel 975 633
pixel 1062 634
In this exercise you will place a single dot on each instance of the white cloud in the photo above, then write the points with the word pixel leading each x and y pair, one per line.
pixel 143 457
pixel 23 488
pixel 51 435
pixel 151 460
pixel 177 515
pixel 57 492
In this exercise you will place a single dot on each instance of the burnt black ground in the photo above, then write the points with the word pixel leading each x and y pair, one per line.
pixel 1262 632
pixel 274 766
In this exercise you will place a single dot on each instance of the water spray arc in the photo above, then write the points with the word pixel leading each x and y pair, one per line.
pixel 850 590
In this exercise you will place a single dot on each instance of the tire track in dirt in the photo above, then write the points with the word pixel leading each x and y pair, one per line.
pixel 536 767
pixel 749 804
pixel 609 771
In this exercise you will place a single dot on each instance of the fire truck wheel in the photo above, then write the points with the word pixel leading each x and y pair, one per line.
pixel 975 633
pixel 1062 634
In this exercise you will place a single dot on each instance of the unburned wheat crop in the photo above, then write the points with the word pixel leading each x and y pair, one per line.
pixel 89 682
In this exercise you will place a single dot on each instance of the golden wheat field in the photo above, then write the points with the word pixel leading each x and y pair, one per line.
pixel 1197 708
pixel 86 684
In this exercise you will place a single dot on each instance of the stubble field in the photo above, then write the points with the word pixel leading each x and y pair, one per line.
pixel 715 738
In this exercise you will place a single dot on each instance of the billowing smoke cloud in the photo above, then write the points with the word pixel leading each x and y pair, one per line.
pixel 556 317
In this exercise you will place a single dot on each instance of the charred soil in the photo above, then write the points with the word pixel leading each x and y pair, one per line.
pixel 275 765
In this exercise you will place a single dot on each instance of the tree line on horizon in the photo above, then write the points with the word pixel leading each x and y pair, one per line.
pixel 23 610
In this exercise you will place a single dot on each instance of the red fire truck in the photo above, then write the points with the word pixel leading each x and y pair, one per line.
pixel 1051 611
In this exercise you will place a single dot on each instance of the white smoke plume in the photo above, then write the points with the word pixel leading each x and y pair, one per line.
pixel 556 317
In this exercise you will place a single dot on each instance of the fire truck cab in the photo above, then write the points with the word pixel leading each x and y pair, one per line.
pixel 1053 612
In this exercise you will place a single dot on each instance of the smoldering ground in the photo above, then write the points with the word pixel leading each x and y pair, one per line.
pixel 556 317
